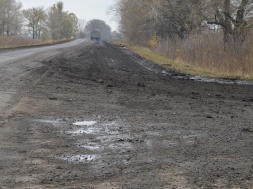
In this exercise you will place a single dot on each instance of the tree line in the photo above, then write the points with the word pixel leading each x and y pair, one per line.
pixel 38 22
pixel 141 19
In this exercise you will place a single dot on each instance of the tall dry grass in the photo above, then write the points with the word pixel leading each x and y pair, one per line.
pixel 207 51
pixel 13 42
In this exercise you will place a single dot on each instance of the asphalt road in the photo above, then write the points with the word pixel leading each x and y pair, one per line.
pixel 17 63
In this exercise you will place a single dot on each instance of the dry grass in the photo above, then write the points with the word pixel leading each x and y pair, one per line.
pixel 201 55
pixel 207 53
pixel 176 65
pixel 16 42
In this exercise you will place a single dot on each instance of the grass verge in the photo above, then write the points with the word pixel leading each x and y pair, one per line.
pixel 20 42
pixel 180 66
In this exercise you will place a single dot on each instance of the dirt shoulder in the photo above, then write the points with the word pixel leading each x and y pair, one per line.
pixel 146 129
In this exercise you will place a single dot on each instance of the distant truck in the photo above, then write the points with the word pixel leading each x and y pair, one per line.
pixel 95 35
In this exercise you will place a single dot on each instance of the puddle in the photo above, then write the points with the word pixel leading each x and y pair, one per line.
pixel 56 122
pixel 80 158
pixel 85 123
pixel 89 130
pixel 92 147
pixel 207 79
pixel 220 81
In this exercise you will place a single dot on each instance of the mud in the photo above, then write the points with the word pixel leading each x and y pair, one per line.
pixel 103 118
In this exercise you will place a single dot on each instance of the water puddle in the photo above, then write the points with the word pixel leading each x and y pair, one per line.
pixel 206 79
pixel 92 147
pixel 56 122
pixel 89 130
pixel 84 123
pixel 80 158
pixel 220 81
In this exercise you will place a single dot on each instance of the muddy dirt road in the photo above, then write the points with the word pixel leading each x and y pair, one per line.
pixel 96 116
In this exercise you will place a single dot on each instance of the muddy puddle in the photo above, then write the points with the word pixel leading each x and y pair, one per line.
pixel 109 143
pixel 104 145
pixel 84 123
pixel 89 130
pixel 206 79
pixel 80 158
pixel 49 121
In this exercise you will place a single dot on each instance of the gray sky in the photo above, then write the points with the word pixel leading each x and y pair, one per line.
pixel 84 9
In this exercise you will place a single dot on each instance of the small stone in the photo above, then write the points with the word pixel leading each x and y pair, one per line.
pixel 195 93
pixel 141 85
pixel 53 98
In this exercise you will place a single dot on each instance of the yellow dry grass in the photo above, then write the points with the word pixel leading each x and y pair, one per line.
pixel 17 42
pixel 226 70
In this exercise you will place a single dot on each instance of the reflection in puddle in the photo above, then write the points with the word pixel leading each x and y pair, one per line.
pixel 80 158
pixel 85 123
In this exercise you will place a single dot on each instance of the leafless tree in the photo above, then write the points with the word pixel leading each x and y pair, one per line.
pixel 233 16
pixel 61 24
pixel 180 18
pixel 36 18
pixel 81 27
pixel 10 17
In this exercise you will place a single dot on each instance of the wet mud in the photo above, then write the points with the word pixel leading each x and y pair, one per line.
pixel 103 118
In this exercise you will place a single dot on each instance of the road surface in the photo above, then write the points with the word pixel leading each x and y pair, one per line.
pixel 97 116
pixel 12 55
pixel 14 64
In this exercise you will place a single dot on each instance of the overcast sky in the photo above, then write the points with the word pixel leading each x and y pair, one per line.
pixel 84 9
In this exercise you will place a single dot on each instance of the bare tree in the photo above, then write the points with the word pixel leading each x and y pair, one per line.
pixel 61 24
pixel 134 16
pixel 176 17
pixel 36 18
pixel 139 20
pixel 233 16
pixel 81 27
pixel 10 17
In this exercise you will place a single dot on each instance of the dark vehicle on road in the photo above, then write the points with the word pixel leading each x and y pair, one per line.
pixel 95 35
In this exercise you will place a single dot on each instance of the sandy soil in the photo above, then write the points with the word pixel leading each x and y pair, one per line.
pixel 141 127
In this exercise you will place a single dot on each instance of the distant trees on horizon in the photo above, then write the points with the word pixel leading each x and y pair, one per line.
pixel 40 23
